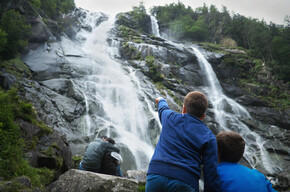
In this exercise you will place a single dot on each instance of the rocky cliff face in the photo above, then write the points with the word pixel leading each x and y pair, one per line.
pixel 162 67
pixel 45 148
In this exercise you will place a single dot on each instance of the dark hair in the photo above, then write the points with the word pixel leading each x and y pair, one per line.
pixel 104 137
pixel 231 146
pixel 195 103
pixel 111 140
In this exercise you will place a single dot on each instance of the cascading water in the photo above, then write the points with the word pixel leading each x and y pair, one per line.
pixel 111 97
pixel 154 26
pixel 228 113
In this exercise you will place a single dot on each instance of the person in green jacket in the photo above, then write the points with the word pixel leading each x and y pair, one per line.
pixel 95 151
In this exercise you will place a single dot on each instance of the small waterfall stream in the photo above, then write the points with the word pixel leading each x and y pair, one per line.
pixel 154 26
pixel 228 113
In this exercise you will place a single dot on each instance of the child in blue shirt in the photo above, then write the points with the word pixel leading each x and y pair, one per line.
pixel 185 144
pixel 233 176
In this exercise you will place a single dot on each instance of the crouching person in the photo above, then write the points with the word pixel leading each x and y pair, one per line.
pixel 111 161
pixel 94 154
pixel 233 176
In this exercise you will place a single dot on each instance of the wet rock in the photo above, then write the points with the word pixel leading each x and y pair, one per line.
pixel 271 116
pixel 283 182
pixel 7 80
pixel 154 130
pixel 277 146
pixel 47 62
pixel 231 90
pixel 58 85
pixel 25 181
pixel 53 27
pixel 138 175
pixel 249 100
pixel 39 31
pixel 76 180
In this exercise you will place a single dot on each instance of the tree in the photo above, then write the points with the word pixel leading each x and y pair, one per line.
pixel 17 31
pixel 3 40
pixel 49 7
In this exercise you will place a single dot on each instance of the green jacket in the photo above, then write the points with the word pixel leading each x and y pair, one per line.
pixel 95 151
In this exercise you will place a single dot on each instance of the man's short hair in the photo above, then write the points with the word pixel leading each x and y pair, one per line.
pixel 231 146
pixel 111 140
pixel 195 103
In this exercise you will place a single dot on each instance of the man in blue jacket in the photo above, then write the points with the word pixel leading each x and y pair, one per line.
pixel 184 145
pixel 233 176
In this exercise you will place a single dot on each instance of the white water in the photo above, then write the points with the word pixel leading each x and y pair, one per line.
pixel 227 114
pixel 154 26
pixel 108 84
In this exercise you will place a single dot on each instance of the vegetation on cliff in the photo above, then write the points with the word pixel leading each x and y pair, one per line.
pixel 14 30
pixel 12 161
pixel 14 35
pixel 135 19
pixel 271 43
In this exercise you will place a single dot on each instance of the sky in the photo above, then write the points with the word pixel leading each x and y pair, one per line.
pixel 268 10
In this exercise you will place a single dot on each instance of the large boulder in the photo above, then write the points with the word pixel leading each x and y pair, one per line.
pixel 78 181
pixel 46 148
pixel 39 31
pixel 139 175
pixel 47 61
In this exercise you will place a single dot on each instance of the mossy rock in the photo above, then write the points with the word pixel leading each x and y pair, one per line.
pixel 16 67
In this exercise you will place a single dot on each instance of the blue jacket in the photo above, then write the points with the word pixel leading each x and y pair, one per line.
pixel 184 145
pixel 238 178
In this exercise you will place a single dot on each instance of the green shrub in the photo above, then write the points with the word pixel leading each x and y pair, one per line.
pixel 76 161
pixel 3 40
pixel 10 143
pixel 153 73
pixel 12 162
pixel 16 67
pixel 35 3
pixel 17 32
pixel 141 188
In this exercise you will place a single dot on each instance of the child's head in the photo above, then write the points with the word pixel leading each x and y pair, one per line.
pixel 231 146
pixel 195 103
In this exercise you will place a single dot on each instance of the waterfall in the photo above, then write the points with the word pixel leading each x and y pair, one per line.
pixel 228 114
pixel 154 26
pixel 111 95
